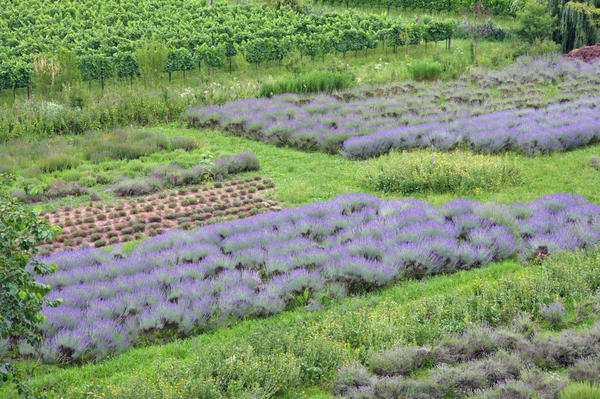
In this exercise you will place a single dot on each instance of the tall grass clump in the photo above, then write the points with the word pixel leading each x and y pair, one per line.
pixel 57 162
pixel 581 390
pixel 132 144
pixel 312 82
pixel 425 70
pixel 456 172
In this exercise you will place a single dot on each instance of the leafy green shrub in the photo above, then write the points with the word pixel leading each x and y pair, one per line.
pixel 581 390
pixel 534 21
pixel 456 172
pixel 99 243
pixel 425 70
pixel 311 82
pixel 21 296
pixel 57 162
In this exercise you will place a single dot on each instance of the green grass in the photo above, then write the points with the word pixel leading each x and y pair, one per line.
pixel 301 340
pixel 303 177
pixel 581 390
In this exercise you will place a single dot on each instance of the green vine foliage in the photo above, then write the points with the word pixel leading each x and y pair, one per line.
pixel 21 296
pixel 498 7
pixel 104 45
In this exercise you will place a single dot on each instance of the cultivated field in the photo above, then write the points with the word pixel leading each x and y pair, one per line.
pixel 299 200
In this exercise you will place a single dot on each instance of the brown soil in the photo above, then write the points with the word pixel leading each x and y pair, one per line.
pixel 587 53
pixel 99 224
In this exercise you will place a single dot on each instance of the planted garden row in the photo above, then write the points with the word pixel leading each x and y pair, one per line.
pixel 451 115
pixel 480 363
pixel 173 175
pixel 180 283
pixel 99 225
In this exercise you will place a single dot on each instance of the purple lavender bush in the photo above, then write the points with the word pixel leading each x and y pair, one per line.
pixel 181 283
pixel 367 122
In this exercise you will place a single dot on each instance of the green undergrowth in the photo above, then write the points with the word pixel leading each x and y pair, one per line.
pixel 296 354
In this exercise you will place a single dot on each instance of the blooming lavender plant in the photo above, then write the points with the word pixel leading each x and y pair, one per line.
pixel 375 120
pixel 186 282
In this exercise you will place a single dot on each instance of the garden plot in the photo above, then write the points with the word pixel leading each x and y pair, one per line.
pixel 101 224
pixel 480 363
pixel 181 283
pixel 457 114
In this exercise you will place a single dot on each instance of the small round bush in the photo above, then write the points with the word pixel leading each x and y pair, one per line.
pixel 99 243
pixel 101 216
pixel 127 230
pixel 139 227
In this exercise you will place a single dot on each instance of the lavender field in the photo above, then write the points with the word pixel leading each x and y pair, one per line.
pixel 493 111
pixel 181 283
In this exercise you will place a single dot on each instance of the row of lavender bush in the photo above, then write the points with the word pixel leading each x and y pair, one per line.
pixel 480 363
pixel 173 175
pixel 329 122
pixel 181 283
pixel 559 127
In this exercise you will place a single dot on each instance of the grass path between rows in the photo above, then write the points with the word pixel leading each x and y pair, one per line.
pixel 303 177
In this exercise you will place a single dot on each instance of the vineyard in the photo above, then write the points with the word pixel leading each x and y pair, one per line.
pixel 102 46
